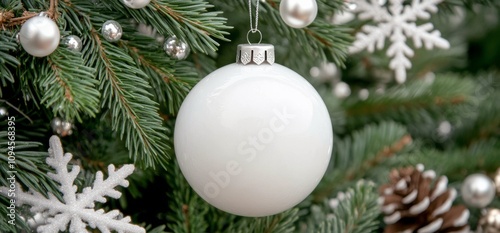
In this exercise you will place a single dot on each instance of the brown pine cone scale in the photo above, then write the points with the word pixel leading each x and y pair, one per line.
pixel 411 203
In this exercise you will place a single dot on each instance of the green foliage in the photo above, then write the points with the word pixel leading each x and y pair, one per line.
pixel 357 212
pixel 356 154
pixel 416 103
pixel 7 41
pixel 67 85
pixel 123 98
pixel 24 156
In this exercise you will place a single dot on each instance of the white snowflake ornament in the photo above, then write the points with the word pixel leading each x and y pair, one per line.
pixel 397 23
pixel 77 210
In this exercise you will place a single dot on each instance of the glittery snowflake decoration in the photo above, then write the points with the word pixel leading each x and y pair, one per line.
pixel 397 23
pixel 77 210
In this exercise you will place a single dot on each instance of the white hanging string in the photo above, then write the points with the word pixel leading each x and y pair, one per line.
pixel 252 28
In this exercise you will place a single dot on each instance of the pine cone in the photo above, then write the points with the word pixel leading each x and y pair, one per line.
pixel 490 222
pixel 411 204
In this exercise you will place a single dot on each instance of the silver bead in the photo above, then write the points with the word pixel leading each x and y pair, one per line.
pixel 478 190
pixel 56 124
pixel 298 13
pixel 3 112
pixel 136 4
pixel 112 31
pixel 74 43
pixel 61 127
pixel 176 49
pixel 39 36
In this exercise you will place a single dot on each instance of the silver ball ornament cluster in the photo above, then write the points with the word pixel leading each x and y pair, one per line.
pixel 61 127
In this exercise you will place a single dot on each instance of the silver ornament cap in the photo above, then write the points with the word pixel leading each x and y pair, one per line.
pixel 255 54
pixel 478 190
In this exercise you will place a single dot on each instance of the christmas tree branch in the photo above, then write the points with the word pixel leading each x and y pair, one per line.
pixel 171 81
pixel 7 61
pixel 133 113
pixel 356 155
pixel 416 102
pixel 357 213
pixel 8 19
pixel 68 86
pixel 191 22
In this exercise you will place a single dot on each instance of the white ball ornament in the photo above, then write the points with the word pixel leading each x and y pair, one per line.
pixel 136 4
pixel 112 31
pixel 39 36
pixel 253 138
pixel 478 190
pixel 298 13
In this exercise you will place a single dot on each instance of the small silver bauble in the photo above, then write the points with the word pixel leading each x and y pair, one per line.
pixel 3 112
pixel 61 127
pixel 176 49
pixel 342 90
pixel 489 222
pixel 363 94
pixel 39 36
pixel 326 72
pixel 298 13
pixel 478 190
pixel 74 43
pixel 136 4
pixel 112 31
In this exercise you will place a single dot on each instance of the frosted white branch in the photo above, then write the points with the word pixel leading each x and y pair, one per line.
pixel 77 210
pixel 396 22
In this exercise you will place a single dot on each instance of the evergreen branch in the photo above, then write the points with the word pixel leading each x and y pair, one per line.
pixel 279 223
pixel 68 85
pixel 7 61
pixel 27 161
pixel 456 163
pixel 172 80
pixel 416 102
pixel 357 213
pixel 134 114
pixel 482 124
pixel 189 21
pixel 354 156
pixel 189 210
pixel 320 40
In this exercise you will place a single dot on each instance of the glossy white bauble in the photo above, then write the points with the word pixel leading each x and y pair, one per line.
pixel 253 140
